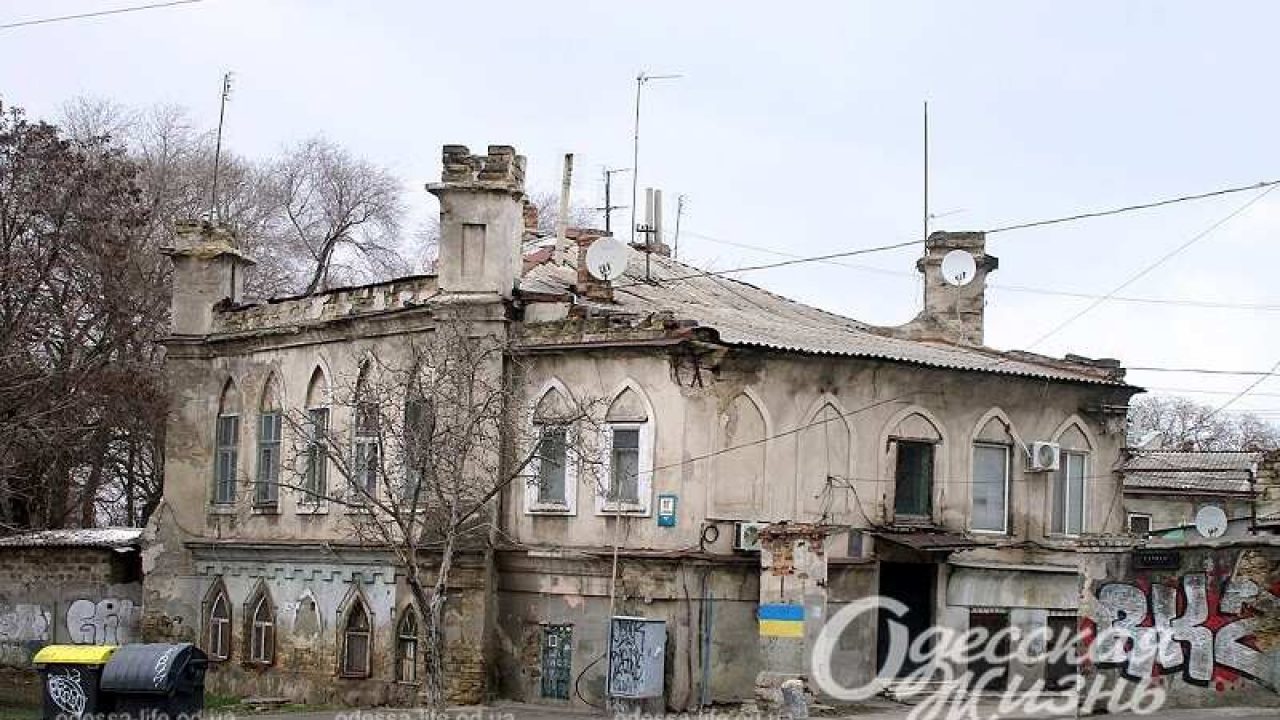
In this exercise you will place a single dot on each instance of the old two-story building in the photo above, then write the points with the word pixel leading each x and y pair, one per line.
pixel 763 463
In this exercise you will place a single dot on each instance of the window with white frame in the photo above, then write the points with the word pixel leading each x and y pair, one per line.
pixel 226 445
pixel 1140 524
pixel 627 479
pixel 262 630
pixel 1069 489
pixel 990 488
pixel 624 465
pixel 218 627
pixel 552 465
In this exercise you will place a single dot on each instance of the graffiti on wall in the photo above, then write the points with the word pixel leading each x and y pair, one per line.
pixel 24 629
pixel 1215 631
pixel 106 622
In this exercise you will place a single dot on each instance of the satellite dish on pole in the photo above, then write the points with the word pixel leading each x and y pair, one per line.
pixel 959 268
pixel 1211 521
pixel 607 259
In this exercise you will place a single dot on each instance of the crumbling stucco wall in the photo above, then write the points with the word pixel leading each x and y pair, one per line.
pixel 1221 599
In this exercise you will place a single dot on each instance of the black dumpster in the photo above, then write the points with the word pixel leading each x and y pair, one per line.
pixel 156 681
pixel 69 675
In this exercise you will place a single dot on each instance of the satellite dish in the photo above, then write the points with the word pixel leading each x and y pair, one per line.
pixel 959 268
pixel 607 259
pixel 1211 521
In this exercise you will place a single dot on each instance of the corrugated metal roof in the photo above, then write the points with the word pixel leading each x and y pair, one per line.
pixel 743 314
pixel 113 537
pixel 1181 461
pixel 1204 481
pixel 1193 472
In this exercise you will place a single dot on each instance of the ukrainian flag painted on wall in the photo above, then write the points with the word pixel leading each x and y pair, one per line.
pixel 785 621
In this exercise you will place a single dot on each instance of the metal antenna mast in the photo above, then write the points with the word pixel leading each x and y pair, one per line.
pixel 217 149
pixel 675 242
pixel 641 79
pixel 609 207
pixel 926 170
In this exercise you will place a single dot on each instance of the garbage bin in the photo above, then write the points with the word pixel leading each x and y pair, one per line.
pixel 156 681
pixel 70 675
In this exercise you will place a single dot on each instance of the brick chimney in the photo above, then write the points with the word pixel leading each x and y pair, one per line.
pixel 482 220
pixel 588 286
pixel 953 313
pixel 208 269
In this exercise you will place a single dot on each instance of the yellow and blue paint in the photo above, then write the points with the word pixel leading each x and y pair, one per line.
pixel 780 620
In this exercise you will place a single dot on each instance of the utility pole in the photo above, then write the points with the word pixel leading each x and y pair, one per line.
pixel 608 206
pixel 675 242
pixel 217 149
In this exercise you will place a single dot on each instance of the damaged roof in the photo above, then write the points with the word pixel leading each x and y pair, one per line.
pixel 1192 472
pixel 746 315
pixel 110 538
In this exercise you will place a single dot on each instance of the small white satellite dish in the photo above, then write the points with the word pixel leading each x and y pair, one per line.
pixel 607 259
pixel 959 268
pixel 1211 522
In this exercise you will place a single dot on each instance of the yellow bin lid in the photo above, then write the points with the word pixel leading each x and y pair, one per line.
pixel 74 654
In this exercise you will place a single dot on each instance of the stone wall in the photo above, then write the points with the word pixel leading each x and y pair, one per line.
pixel 66 595
pixel 709 608
pixel 62 595
pixel 1219 599
pixel 312 588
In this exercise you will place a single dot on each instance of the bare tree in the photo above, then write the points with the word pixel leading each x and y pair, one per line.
pixel 1179 424
pixel 81 395
pixel 339 214
pixel 435 436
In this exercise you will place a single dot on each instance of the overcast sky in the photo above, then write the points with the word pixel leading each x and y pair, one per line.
pixel 796 128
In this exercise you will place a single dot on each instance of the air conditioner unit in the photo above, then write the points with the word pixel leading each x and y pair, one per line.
pixel 746 535
pixel 1043 457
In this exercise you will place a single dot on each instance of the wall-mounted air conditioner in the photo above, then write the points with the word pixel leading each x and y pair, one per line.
pixel 746 535
pixel 1043 457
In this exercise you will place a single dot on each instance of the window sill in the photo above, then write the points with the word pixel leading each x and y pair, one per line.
pixel 625 510
pixel 550 509
pixel 265 510
pixel 312 509
pixel 223 509
pixel 354 676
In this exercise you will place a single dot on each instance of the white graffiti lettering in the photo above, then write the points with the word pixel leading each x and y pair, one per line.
pixel 106 622
pixel 1138 633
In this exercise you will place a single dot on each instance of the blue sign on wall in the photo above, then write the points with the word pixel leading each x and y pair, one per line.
pixel 666 511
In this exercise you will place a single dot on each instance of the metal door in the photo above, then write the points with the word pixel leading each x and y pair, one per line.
pixel 557 661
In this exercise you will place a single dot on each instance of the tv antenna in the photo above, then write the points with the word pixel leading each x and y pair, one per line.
pixel 609 207
pixel 217 148
pixel 642 79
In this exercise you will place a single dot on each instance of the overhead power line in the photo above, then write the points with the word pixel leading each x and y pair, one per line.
pixel 1152 266
pixel 1131 208
pixel 1248 389
pixel 1180 302
pixel 1204 371
pixel 99 13
pixel 1266 186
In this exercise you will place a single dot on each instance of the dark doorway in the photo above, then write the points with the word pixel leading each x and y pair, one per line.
pixel 912 585
pixel 995 622
pixel 1060 668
